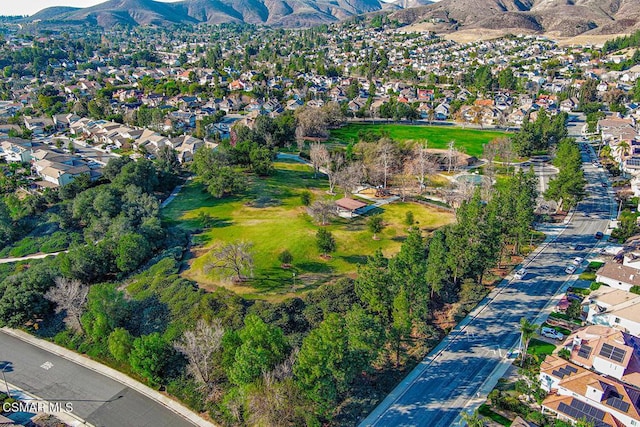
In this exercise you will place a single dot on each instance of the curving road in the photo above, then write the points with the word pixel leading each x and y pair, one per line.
pixel 460 372
pixel 95 398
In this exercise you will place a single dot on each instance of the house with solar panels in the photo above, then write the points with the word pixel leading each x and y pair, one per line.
pixel 580 394
pixel 607 351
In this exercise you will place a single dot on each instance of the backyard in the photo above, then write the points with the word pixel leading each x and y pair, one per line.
pixel 468 140
pixel 271 217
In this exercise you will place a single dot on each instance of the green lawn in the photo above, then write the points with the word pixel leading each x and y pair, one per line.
pixel 468 140
pixel 540 348
pixel 271 217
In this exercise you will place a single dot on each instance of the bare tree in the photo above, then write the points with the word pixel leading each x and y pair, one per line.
pixel 451 155
pixel 387 159
pixel 70 296
pixel 505 150
pixel 199 346
pixel 319 156
pixel 273 403
pixel 490 151
pixel 422 165
pixel 402 181
pixel 311 122
pixel 349 177
pixel 321 210
pixel 234 259
pixel 333 114
pixel 332 166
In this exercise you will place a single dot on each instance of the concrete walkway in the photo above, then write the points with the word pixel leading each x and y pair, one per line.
pixel 174 193
pixel 81 360
pixel 27 257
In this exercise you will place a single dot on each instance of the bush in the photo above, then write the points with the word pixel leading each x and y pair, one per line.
pixel 595 286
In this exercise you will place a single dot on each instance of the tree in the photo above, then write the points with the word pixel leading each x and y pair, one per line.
pixel 285 257
pixel 131 251
pixel 150 355
pixel 387 159
pixel 375 225
pixel 120 343
pixel 527 329
pixel 305 198
pixel 422 165
pixel 436 272
pixel 199 347
pixel 319 156
pixel 472 420
pixel 409 219
pixel 321 210
pixel 260 347
pixel 374 286
pixel 349 177
pixel 69 296
pixel 235 259
pixel 326 362
pixel 325 241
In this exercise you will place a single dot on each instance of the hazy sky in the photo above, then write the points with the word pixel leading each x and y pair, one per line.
pixel 29 7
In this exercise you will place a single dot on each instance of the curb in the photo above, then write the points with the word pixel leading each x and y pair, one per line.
pixel 111 373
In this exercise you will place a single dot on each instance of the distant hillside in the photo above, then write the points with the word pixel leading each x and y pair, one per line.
pixel 285 13
pixel 555 17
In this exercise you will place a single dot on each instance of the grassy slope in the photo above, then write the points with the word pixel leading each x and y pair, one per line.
pixel 287 226
pixel 468 140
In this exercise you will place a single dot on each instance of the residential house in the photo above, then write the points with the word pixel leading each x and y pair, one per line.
pixel 614 308
pixel 442 111
pixel 620 276
pixel 18 150
pixel 606 350
pixel 579 394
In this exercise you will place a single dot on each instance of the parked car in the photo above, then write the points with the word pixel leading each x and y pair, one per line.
pixel 598 235
pixel 570 269
pixel 577 260
pixel 519 275
pixel 551 333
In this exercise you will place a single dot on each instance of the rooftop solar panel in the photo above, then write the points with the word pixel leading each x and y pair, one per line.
pixel 579 410
pixel 618 404
pixel 614 353
pixel 585 351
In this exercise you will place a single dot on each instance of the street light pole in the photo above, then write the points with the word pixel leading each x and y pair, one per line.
pixel 5 382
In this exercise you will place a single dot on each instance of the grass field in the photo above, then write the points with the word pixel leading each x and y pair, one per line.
pixel 540 348
pixel 468 140
pixel 270 215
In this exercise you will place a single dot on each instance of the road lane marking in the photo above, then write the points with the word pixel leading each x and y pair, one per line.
pixel 46 365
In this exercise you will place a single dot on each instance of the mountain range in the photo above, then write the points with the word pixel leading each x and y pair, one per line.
pixel 283 13
pixel 553 17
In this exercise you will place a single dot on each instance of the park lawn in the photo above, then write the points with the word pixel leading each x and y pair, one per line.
pixel 286 225
pixel 468 140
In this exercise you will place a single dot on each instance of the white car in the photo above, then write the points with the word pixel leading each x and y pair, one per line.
pixel 570 269
pixel 519 275
pixel 551 333
pixel 577 261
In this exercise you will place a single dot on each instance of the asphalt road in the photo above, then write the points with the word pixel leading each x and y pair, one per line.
pixel 97 399
pixel 448 380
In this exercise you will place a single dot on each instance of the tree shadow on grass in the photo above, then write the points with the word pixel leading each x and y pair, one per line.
pixel 355 259
pixel 315 267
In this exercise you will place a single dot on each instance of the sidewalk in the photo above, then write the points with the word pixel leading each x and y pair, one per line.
pixel 113 374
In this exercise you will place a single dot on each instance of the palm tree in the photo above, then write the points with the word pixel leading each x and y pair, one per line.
pixel 623 147
pixel 527 329
pixel 472 420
